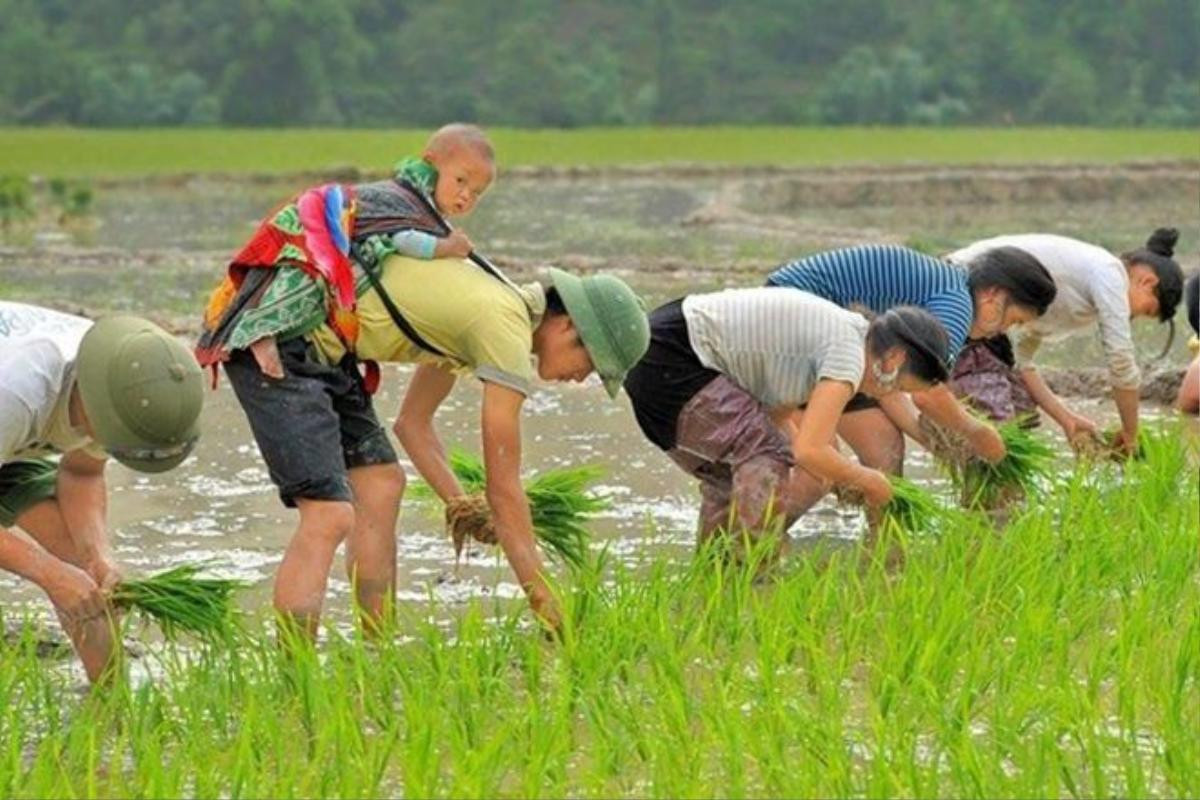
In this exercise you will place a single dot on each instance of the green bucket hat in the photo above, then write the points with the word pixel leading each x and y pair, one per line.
pixel 142 391
pixel 611 321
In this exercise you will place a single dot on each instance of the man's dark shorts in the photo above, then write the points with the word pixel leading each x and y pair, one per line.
pixel 313 425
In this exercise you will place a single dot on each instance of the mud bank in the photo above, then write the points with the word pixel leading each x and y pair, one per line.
pixel 1158 386
pixel 805 186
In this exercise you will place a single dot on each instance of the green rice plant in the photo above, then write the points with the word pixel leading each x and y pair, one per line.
pixel 1060 660
pixel 1027 461
pixel 912 508
pixel 179 600
pixel 560 503
pixel 15 193
pixel 73 199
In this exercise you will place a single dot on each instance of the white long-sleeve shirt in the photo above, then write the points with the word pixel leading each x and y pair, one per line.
pixel 1093 288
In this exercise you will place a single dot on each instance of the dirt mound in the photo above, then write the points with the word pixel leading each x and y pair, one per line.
pixel 1160 386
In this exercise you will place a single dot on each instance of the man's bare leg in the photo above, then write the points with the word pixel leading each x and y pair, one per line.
pixel 371 549
pixel 875 439
pixel 304 572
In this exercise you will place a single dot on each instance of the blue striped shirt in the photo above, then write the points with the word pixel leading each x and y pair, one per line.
pixel 880 277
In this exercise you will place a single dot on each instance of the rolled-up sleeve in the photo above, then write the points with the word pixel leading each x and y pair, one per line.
pixel 1116 335
pixel 498 349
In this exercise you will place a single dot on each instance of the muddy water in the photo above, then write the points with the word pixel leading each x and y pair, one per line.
pixel 156 249
pixel 220 506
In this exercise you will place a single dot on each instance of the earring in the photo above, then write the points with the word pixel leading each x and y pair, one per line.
pixel 884 379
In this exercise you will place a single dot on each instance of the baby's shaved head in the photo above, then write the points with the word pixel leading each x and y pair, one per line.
pixel 457 137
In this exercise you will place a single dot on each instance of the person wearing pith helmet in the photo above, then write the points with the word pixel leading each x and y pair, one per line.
pixel 73 393
pixel 611 322
pixel 141 391
pixel 317 429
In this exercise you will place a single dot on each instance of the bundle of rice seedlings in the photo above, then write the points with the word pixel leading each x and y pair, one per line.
pixel 990 486
pixel 911 507
pixel 1104 446
pixel 180 600
pixel 559 503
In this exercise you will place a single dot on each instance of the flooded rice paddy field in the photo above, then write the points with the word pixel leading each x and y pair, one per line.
pixel 156 248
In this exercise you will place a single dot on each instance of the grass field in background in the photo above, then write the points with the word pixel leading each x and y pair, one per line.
pixel 114 153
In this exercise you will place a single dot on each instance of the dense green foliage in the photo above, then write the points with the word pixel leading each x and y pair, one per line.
pixel 1060 657
pixel 595 62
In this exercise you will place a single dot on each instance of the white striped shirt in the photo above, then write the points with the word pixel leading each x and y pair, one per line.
pixel 776 345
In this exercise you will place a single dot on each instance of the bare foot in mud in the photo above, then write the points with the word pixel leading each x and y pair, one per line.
pixel 95 642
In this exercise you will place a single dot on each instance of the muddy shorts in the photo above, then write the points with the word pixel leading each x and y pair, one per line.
pixel 313 425
pixel 726 438
pixel 24 484
pixel 984 374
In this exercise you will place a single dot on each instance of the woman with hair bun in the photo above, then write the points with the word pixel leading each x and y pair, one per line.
pixel 1096 290
pixel 744 388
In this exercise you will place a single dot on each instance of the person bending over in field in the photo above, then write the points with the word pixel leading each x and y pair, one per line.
pixel 998 289
pixel 744 389
pixel 1188 399
pixel 73 393
pixel 405 214
pixel 331 459
pixel 1095 289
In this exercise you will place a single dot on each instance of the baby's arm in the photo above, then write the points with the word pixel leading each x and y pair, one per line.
pixel 418 244
pixel 415 244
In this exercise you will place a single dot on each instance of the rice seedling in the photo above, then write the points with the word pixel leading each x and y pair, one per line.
pixel 1062 659
pixel 559 503
pixel 1028 460
pixel 180 600
pixel 912 508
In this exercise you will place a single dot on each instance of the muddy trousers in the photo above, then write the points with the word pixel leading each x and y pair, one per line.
pixel 749 483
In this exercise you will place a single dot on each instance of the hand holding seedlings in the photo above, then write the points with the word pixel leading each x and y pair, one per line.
pixel 560 504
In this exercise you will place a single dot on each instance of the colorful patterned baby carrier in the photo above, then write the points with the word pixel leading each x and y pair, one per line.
pixel 322 233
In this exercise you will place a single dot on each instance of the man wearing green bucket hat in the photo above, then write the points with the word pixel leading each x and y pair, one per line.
pixel 331 459
pixel 121 387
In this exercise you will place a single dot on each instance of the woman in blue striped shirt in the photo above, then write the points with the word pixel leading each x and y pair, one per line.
pixel 1005 288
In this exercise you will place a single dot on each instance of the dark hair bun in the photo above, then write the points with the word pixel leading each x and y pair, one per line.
pixel 1162 241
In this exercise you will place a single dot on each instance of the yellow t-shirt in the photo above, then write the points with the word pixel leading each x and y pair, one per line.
pixel 483 325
